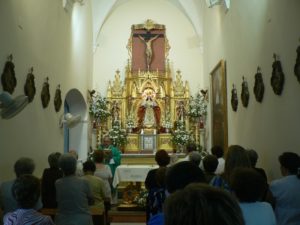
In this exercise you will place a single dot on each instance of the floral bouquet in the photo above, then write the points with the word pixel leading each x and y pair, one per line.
pixel 117 134
pixel 181 136
pixel 167 124
pixel 99 108
pixel 198 105
pixel 141 199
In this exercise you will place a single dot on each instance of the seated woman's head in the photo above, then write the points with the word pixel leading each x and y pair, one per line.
pixel 182 174
pixel 289 162
pixel 236 157
pixel 89 167
pixel 24 166
pixel 210 163
pixel 248 185
pixel 217 151
pixel 162 158
pixel 201 204
pixel 26 190
pixel 195 157
pixel 53 159
pixel 98 156
pixel 67 163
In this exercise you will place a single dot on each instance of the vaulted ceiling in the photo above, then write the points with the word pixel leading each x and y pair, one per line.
pixel 103 8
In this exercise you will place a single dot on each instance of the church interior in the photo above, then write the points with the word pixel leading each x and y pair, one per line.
pixel 147 58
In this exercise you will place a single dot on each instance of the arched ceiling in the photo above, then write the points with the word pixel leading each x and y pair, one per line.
pixel 103 8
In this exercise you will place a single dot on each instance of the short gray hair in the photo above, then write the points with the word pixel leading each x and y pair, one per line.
pixel 67 163
pixel 24 166
pixel 195 157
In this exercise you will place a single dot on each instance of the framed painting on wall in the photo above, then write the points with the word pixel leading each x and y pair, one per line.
pixel 219 106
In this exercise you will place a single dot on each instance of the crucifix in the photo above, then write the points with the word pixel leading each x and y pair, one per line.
pixel 148 38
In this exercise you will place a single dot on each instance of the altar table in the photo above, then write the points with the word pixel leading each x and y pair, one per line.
pixel 132 173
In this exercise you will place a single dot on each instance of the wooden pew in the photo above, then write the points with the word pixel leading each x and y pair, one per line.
pixel 97 214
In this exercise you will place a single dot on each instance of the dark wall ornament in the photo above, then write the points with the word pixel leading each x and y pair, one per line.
pixel 234 98
pixel 297 65
pixel 259 87
pixel 57 99
pixel 277 79
pixel 29 87
pixel 245 95
pixel 8 77
pixel 45 94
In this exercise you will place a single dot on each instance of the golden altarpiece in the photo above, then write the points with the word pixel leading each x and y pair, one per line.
pixel 148 101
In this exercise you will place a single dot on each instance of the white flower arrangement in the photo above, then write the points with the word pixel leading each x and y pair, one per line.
pixel 141 199
pixel 99 107
pixel 167 123
pixel 117 134
pixel 181 136
pixel 198 105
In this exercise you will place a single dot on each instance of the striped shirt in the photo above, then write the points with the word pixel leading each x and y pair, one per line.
pixel 26 217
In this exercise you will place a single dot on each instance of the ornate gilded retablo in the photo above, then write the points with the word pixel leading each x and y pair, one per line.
pixel 259 87
pixel 8 78
pixel 234 98
pixel 277 79
pixel 245 93
pixel 29 87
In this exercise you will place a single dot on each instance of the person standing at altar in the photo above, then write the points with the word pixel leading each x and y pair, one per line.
pixel 112 155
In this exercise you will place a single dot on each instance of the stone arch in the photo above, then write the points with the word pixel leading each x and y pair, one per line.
pixel 76 137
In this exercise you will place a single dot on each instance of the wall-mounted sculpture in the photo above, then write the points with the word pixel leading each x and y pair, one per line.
pixel 234 98
pixel 297 65
pixel 29 87
pixel 45 94
pixel 277 79
pixel 245 95
pixel 8 78
pixel 259 87
pixel 57 99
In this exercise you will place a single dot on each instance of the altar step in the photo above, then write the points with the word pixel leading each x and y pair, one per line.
pixel 126 217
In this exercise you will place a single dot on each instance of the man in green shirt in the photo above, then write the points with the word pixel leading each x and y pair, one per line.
pixel 112 154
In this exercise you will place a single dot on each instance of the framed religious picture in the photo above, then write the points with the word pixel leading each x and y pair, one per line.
pixel 219 106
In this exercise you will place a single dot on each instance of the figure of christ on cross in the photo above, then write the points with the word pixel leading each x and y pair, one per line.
pixel 148 38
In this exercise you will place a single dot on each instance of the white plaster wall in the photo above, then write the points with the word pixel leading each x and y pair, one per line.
pixel 111 53
pixel 58 45
pixel 246 37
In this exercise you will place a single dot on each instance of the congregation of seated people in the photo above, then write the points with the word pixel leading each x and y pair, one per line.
pixel 183 193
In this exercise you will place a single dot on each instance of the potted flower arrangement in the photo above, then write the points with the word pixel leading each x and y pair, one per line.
pixel 180 137
pixel 167 123
pixel 198 107
pixel 117 134
pixel 99 108
pixel 141 199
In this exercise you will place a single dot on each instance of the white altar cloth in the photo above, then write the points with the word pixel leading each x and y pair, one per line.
pixel 132 173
